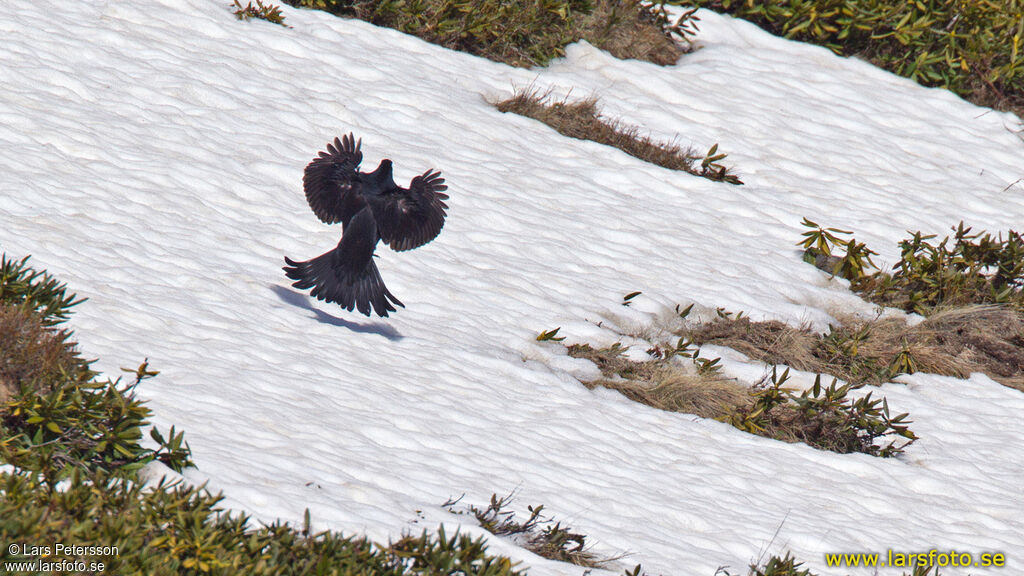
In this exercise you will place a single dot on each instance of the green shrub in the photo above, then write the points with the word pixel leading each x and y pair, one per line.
pixel 973 47
pixel 970 269
pixel 819 244
pixel 776 566
pixel 54 415
pixel 526 32
pixel 172 529
pixel 965 269
pixel 39 292
pixel 87 424
pixel 262 11
pixel 540 535
pixel 788 566
pixel 823 417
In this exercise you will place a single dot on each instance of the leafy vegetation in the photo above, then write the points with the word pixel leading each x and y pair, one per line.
pixel 967 268
pixel 262 11
pixel 582 120
pixel 788 566
pixel 82 423
pixel 55 415
pixel 677 378
pixel 972 47
pixel 172 529
pixel 38 292
pixel 972 269
pixel 529 32
pixel 823 417
pixel 778 566
pixel 551 335
pixel 542 536
pixel 970 288
pixel 820 243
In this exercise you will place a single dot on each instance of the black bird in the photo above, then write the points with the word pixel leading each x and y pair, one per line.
pixel 370 207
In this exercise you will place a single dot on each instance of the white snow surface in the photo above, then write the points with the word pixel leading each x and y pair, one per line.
pixel 152 154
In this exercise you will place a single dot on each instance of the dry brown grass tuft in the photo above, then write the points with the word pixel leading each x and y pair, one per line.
pixel 583 121
pixel 31 354
pixel 612 361
pixel 985 338
pixel 771 342
pixel 953 342
pixel 676 390
pixel 663 385
pixel 627 31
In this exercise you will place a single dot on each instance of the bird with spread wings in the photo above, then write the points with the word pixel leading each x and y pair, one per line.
pixel 370 207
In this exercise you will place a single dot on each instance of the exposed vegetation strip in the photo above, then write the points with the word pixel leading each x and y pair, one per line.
pixel 969 286
pixel 678 379
pixel 527 32
pixel 582 120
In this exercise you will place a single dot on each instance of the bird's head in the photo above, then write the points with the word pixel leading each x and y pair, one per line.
pixel 381 177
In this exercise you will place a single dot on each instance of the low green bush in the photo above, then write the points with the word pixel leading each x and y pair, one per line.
pixel 542 536
pixel 780 566
pixel 528 32
pixel 261 11
pixel 55 415
pixel 967 268
pixel 83 423
pixel 823 417
pixel 38 292
pixel 972 47
pixel 172 529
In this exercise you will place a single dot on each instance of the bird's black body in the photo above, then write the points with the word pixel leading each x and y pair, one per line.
pixel 370 208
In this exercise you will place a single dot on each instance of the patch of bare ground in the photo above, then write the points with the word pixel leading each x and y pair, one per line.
pixel 951 342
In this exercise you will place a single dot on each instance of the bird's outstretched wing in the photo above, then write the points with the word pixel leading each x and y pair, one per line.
pixel 329 181
pixel 408 219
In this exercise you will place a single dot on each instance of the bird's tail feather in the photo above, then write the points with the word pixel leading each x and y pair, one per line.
pixel 332 282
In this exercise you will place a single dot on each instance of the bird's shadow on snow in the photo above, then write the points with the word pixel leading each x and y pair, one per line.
pixel 300 300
